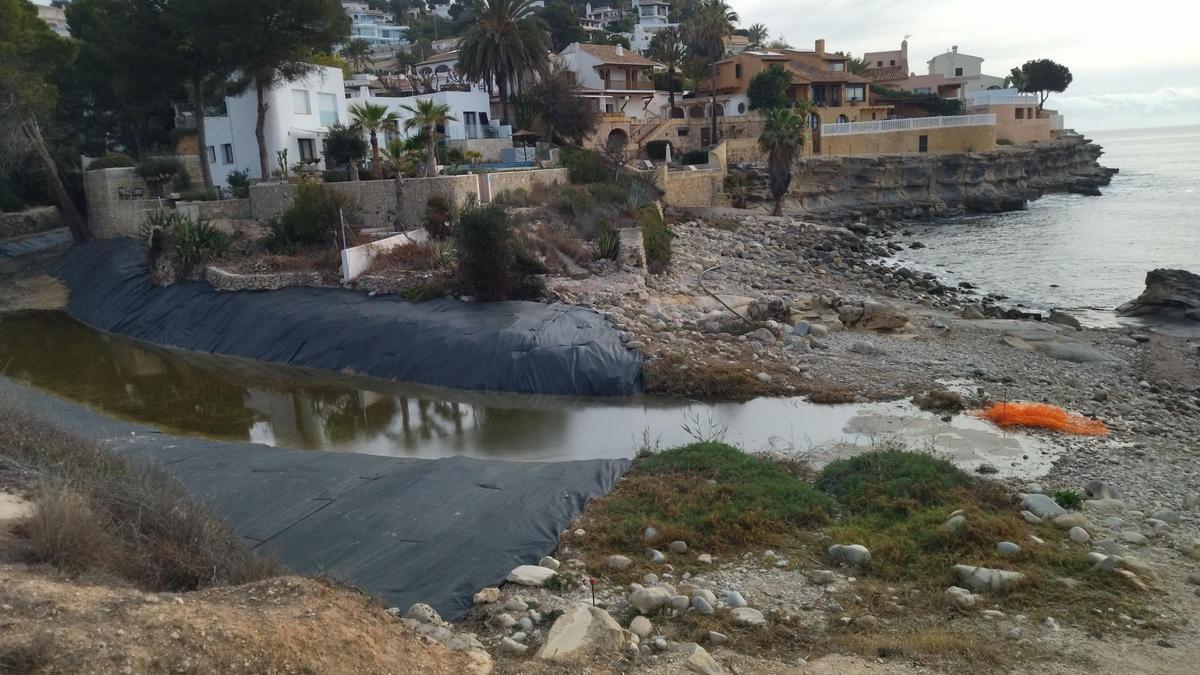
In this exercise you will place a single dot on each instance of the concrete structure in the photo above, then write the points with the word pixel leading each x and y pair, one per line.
pixel 618 80
pixel 1018 119
pixel 964 69
pixel 653 17
pixel 55 18
pixel 380 35
pixel 298 118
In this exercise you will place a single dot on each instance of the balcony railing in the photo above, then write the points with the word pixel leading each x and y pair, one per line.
pixel 1001 97
pixel 626 85
pixel 884 126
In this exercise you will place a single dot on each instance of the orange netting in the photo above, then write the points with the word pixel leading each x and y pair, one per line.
pixel 1042 416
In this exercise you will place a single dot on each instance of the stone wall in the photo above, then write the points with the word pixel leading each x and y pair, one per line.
pixel 503 181
pixel 947 139
pixel 694 189
pixel 108 215
pixel 217 210
pixel 888 187
pixel 29 221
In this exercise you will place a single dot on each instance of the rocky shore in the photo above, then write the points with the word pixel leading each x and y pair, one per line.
pixel 883 188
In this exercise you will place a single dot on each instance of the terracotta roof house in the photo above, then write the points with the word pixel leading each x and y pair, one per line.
pixel 619 80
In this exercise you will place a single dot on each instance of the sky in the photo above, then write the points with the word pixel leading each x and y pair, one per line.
pixel 1134 65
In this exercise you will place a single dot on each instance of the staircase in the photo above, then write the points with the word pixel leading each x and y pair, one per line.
pixel 649 131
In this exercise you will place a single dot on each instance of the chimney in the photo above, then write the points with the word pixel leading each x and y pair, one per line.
pixel 820 49
pixel 904 50
pixel 620 50
pixel 954 49
pixel 587 9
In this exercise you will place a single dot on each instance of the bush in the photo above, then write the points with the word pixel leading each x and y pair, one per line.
pixel 197 243
pixel 492 262
pixel 156 536
pixel 113 160
pixel 607 241
pixel 239 182
pixel 1068 499
pixel 585 166
pixel 514 197
pixel 656 238
pixel 159 168
pixel 200 194
pixel 573 200
pixel 891 482
pixel 608 193
pixel 314 218
pixel 658 149
pixel 694 157
pixel 438 219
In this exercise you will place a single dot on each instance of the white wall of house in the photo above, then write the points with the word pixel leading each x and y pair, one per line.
pixel 299 115
pixel 583 65
pixel 469 108
pixel 380 35
pixel 964 68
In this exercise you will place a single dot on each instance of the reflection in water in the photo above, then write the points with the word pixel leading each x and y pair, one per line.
pixel 238 399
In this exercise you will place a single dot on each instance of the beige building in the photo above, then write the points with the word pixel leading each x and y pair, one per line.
pixel 55 18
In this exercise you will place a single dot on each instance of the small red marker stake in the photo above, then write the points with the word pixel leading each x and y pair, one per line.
pixel 592 581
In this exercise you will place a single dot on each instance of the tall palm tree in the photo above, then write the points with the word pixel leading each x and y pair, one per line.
pixel 757 35
pixel 667 48
pixel 782 139
pixel 427 117
pixel 506 42
pixel 357 53
pixel 712 22
pixel 373 118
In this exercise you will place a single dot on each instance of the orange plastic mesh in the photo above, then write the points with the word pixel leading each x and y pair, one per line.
pixel 1042 416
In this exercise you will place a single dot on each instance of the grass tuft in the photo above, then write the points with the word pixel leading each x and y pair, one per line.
pixel 891 482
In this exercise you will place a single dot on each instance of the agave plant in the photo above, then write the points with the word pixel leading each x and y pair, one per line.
pixel 607 242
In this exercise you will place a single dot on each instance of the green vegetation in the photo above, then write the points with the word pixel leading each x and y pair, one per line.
pixel 891 482
pixel 657 149
pixel 585 166
pixel 667 47
pixel 505 40
pixel 373 118
pixel 313 219
pixel 607 242
pixel 694 157
pixel 1068 499
pixel 427 116
pixel 493 263
pixel 197 243
pixel 782 139
pixel 769 88
pixel 574 200
pixel 438 218
pixel 564 114
pixel 656 238
pixel 97 512
pixel 239 182
pixel 1041 77
pixel 112 160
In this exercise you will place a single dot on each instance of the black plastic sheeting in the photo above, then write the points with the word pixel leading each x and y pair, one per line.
pixel 521 347
pixel 403 530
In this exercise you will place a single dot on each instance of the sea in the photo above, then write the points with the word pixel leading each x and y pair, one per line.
pixel 1083 254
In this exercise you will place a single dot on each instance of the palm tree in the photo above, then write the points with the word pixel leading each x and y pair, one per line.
pixel 668 49
pixel 506 42
pixel 782 140
pixel 856 64
pixel 758 35
pixel 357 53
pixel 711 23
pixel 427 117
pixel 373 118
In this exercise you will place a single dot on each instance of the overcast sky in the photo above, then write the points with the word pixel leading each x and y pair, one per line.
pixel 1136 64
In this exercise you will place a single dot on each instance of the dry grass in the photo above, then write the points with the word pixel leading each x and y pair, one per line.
pixel 412 256
pixel 676 375
pixel 28 656
pixel 157 536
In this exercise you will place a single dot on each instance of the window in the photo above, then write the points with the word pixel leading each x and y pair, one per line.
pixel 737 70
pixel 856 92
pixel 923 144
pixel 837 66
pixel 212 155
pixel 327 107
pixel 923 90
pixel 300 104
pixel 958 72
pixel 227 151
pixel 892 63
pixel 1020 113
pixel 307 154
pixel 741 108
pixel 681 131
pixel 879 64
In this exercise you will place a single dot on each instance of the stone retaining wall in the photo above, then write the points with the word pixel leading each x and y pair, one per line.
pixel 232 281
pixel 29 221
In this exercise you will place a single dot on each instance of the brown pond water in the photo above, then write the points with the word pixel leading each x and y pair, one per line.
pixel 226 398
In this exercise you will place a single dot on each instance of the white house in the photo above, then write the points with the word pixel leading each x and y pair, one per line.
pixel 619 80
pixel 965 69
pixel 653 17
pixel 298 118
pixel 360 12
pixel 470 110
pixel 380 34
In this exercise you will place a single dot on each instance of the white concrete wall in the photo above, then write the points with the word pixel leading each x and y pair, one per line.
pixel 945 64
pixel 358 259
pixel 460 103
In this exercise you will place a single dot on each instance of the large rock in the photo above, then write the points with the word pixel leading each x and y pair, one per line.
pixel 1042 506
pixel 581 630
pixel 985 578
pixel 1172 292
pixel 531 575
pixel 700 661
pixel 650 600
pixel 872 315
pixel 851 554
pixel 747 616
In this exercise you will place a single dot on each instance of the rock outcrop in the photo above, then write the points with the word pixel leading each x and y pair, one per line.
pixel 890 187
pixel 1169 292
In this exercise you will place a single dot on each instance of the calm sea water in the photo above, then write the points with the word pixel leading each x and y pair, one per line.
pixel 1083 253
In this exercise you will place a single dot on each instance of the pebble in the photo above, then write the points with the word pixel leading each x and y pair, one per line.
pixel 735 599
pixel 619 562
pixel 1079 535
pixel 717 638
pixel 679 547
pixel 641 627
pixel 511 646
pixel 1007 548
pixel 748 617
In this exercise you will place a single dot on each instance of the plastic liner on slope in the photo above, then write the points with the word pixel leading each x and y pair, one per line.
pixel 403 530
pixel 522 347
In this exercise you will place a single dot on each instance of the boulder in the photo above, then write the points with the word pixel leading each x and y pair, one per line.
pixel 1169 292
pixel 1042 506
pixel 486 596
pixel 959 598
pixel 700 661
pixel 423 613
pixel 748 617
pixel 851 554
pixel 531 575
pixel 650 600
pixel 871 315
pixel 985 578
pixel 619 562
pixel 641 627
pixel 582 630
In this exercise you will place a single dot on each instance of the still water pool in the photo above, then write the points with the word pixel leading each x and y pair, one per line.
pixel 234 399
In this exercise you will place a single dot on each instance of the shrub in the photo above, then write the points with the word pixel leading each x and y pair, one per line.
pixel 694 157
pixel 608 193
pixel 585 166
pixel 200 194
pixel 1003 141
pixel 438 218
pixel 112 160
pixel 658 149
pixel 737 186
pixel 492 262
pixel 197 243
pixel 607 241
pixel 159 168
pixel 314 218
pixel 656 238
pixel 1068 499
pixel 239 182
pixel 66 532
pixel 335 176
pixel 573 200
pixel 514 197
pixel 158 537
pixel 891 482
